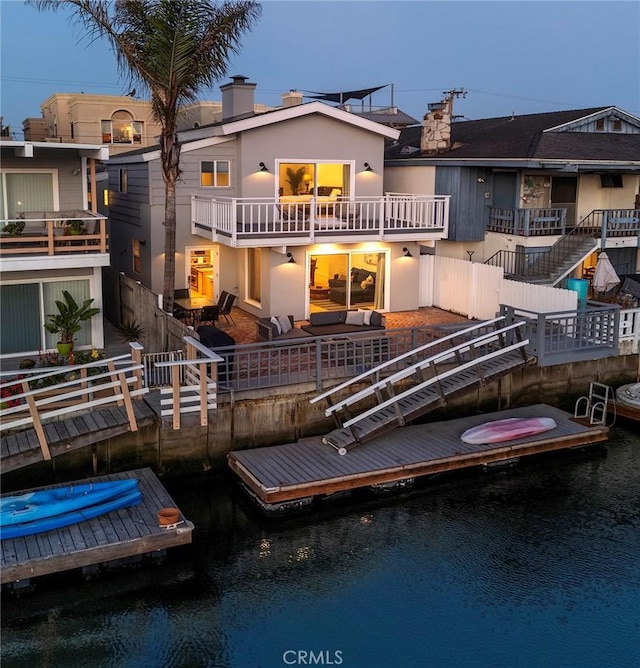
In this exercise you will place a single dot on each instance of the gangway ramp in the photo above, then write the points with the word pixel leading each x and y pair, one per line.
pixel 424 385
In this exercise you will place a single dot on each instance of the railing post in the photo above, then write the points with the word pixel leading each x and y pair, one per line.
pixel 202 367
pixel 175 395
pixel 50 238
pixel 37 424
pixel 233 221
pixel 136 358
pixel 527 215
pixel 603 231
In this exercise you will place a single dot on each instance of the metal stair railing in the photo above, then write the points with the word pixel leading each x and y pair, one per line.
pixel 393 400
pixel 547 263
pixel 376 371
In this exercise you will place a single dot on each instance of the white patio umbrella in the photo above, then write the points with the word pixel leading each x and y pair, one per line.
pixel 604 277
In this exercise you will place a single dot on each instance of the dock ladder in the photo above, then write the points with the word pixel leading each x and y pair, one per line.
pixel 594 407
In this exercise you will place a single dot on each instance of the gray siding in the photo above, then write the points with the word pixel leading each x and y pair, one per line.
pixel 468 211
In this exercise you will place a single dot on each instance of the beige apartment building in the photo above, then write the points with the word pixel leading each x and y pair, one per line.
pixel 119 121
pixel 122 122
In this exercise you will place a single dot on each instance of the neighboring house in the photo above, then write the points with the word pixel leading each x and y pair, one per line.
pixel 42 186
pixel 284 209
pixel 120 122
pixel 520 185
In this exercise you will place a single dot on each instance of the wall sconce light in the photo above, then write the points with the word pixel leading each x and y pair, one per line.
pixel 263 167
pixel 480 179
pixel 407 252
pixel 76 171
pixel 367 167
pixel 142 242
pixel 291 259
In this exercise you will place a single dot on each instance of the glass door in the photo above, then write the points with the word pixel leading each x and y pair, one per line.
pixel 341 281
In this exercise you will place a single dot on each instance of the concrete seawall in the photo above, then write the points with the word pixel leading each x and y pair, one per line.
pixel 268 417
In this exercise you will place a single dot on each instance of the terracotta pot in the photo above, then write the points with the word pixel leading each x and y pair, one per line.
pixel 168 516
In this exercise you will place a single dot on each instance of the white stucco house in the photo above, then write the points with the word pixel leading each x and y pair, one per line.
pixel 285 209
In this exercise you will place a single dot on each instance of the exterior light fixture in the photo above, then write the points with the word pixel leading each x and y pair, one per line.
pixel 480 179
pixel 367 167
pixel 407 252
pixel 263 167
pixel 290 256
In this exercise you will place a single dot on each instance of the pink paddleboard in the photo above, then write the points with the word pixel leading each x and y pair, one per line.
pixel 507 430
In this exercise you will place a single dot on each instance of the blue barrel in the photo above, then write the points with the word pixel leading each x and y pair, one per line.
pixel 581 286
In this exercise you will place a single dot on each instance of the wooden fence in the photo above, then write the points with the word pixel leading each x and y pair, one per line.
pixel 127 300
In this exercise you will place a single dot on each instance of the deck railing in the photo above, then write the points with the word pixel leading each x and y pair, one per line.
pixel 194 383
pixel 47 233
pixel 33 397
pixel 528 222
pixel 382 217
pixel 587 333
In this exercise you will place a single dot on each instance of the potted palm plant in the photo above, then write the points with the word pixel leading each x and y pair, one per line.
pixel 295 179
pixel 66 323
pixel 75 227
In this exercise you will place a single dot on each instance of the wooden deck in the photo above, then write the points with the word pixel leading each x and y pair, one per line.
pixel 22 448
pixel 116 535
pixel 308 468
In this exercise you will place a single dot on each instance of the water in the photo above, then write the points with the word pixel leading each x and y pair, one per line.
pixel 532 566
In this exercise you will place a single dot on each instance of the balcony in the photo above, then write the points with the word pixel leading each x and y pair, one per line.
pixel 261 221
pixel 47 233
pixel 527 222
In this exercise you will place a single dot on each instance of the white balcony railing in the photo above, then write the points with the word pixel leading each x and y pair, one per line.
pixel 395 216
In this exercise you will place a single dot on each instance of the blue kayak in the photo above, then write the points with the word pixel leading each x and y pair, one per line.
pixel 46 503
pixel 132 498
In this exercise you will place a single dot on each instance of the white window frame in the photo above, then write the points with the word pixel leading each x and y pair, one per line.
pixel 54 185
pixel 214 173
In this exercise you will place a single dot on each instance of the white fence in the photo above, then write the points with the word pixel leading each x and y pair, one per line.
pixel 477 290
pixel 629 338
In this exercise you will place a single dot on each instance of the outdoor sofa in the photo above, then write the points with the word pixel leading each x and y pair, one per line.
pixel 325 323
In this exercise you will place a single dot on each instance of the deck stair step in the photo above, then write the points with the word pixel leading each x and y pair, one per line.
pixel 423 386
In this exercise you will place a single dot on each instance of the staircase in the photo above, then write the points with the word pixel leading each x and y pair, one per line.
pixel 551 266
pixel 424 385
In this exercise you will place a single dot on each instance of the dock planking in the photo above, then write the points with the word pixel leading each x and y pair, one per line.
pixel 22 448
pixel 120 534
pixel 296 471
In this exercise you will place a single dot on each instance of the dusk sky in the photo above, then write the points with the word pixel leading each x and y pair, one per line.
pixel 517 56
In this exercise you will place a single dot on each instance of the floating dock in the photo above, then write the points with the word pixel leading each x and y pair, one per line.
pixel 120 534
pixel 297 472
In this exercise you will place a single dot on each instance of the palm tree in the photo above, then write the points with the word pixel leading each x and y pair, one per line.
pixel 172 49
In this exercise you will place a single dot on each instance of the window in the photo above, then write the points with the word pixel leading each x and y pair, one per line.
pixel 616 125
pixel 136 255
pixel 320 179
pixel 27 191
pixel 123 180
pixel 611 180
pixel 600 124
pixel 215 173
pixel 254 272
pixel 122 129
pixel 34 301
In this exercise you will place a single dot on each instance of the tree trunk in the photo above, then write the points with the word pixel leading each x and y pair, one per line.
pixel 169 247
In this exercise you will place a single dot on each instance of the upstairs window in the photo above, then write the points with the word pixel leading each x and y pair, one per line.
pixel 122 129
pixel 600 124
pixel 215 174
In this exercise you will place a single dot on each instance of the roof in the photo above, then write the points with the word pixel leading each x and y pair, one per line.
pixel 393 117
pixel 527 137
pixel 228 127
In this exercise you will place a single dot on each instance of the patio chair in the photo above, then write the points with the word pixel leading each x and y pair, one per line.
pixel 225 302
pixel 178 312
pixel 210 314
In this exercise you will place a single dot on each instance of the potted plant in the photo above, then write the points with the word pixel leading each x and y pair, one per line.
pixel 75 227
pixel 130 330
pixel 295 179
pixel 14 228
pixel 66 323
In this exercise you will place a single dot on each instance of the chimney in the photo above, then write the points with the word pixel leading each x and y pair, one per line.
pixel 436 127
pixel 237 98
pixel 292 98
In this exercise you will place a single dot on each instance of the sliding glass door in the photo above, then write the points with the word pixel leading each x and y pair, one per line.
pixel 347 280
